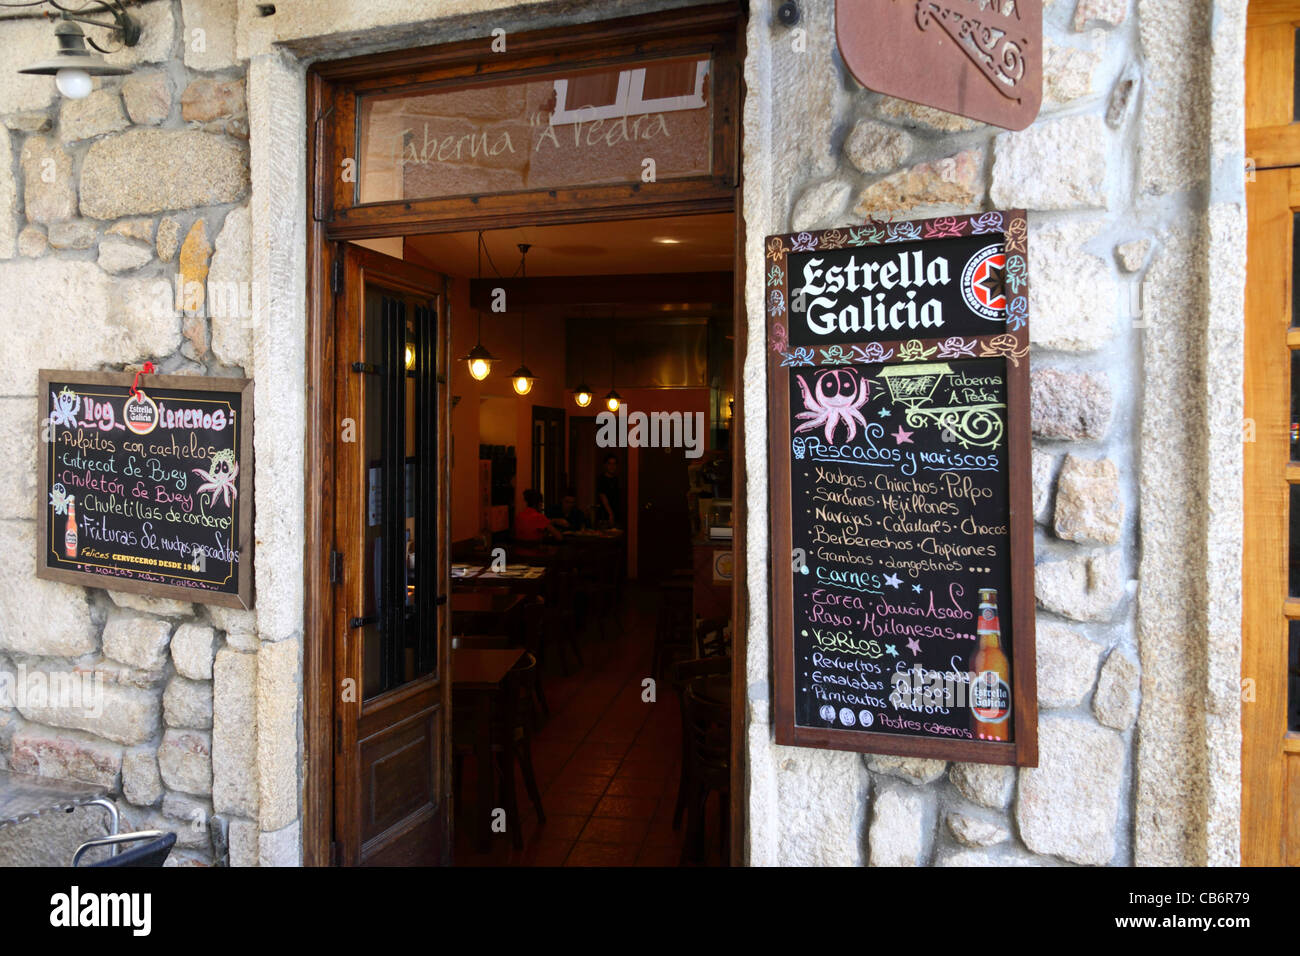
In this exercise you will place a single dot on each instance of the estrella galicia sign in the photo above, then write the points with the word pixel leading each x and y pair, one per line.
pixel 913 290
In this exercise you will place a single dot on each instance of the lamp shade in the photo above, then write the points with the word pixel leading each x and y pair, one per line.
pixel 582 395
pixel 522 380
pixel 613 400
pixel 73 55
pixel 480 362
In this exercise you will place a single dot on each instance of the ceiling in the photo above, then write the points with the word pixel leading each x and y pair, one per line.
pixel 670 244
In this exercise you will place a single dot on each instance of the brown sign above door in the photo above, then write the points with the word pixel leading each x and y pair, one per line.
pixel 976 58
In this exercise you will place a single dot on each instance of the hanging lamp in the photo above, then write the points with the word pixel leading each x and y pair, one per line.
pixel 480 359
pixel 522 377
pixel 582 395
pixel 613 399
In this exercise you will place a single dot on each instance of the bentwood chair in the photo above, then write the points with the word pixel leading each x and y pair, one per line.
pixel 707 759
pixel 685 673
pixel 673 630
pixel 713 637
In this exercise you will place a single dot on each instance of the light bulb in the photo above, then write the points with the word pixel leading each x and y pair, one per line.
pixel 479 368
pixel 74 84
pixel 410 356
pixel 523 385
pixel 582 398
pixel 611 404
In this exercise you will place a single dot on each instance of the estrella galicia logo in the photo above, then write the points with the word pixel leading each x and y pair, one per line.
pixel 984 283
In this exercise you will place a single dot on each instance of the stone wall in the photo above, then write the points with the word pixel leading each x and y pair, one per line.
pixel 1136 675
pixel 124 237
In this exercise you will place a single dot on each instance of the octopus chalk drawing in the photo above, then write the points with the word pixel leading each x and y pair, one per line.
pixel 797 445
pixel 220 480
pixel 59 499
pixel 64 408
pixel 836 396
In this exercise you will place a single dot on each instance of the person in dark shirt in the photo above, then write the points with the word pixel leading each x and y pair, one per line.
pixel 568 515
pixel 609 495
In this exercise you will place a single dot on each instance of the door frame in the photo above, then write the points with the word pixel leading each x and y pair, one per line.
pixel 328 86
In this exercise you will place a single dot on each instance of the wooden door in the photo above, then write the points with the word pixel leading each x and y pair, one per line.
pixel 663 518
pixel 583 458
pixel 391 541
pixel 1270 664
pixel 548 453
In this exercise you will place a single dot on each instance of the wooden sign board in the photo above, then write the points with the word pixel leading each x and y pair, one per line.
pixel 902 525
pixel 975 58
pixel 148 491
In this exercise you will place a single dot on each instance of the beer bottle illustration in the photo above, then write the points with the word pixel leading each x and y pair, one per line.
pixel 990 692
pixel 70 532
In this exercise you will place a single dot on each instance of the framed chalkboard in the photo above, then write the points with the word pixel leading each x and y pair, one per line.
pixel 902 529
pixel 149 488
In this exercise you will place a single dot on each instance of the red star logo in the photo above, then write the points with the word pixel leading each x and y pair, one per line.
pixel 989 283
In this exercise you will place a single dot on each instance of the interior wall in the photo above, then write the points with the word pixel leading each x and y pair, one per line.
pixel 497 420
pixel 544 353
pixel 685 400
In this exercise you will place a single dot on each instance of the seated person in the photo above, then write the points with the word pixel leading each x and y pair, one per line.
pixel 568 516
pixel 531 525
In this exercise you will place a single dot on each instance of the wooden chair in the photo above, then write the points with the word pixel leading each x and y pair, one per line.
pixel 683 675
pixel 707 759
pixel 674 631
pixel 590 590
pixel 559 615
pixel 713 637
pixel 531 680
pixel 511 743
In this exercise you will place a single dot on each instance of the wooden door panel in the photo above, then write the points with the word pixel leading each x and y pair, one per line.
pixel 1270 746
pixel 664 523
pixel 1268 308
pixel 391 765
pixel 399 772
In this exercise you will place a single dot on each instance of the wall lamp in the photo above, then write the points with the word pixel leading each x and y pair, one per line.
pixel 73 65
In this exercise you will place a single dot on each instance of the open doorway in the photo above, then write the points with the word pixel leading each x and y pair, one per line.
pixel 589 519
pixel 535 577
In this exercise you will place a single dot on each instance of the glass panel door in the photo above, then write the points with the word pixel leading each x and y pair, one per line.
pixel 399 630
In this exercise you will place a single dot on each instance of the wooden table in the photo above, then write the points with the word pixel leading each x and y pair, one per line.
pixel 476 678
pixel 530 580
pixel 480 611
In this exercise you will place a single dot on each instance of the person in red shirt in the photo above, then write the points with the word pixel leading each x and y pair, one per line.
pixel 530 524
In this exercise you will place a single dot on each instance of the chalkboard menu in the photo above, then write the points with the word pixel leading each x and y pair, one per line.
pixel 902 528
pixel 148 487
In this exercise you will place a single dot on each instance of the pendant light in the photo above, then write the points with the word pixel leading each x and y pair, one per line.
pixel 613 399
pixel 582 395
pixel 522 377
pixel 480 359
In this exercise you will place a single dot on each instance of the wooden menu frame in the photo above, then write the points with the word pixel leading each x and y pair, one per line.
pixel 1011 345
pixel 243 597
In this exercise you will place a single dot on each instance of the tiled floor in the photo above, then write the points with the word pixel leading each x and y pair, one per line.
pixel 607 764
